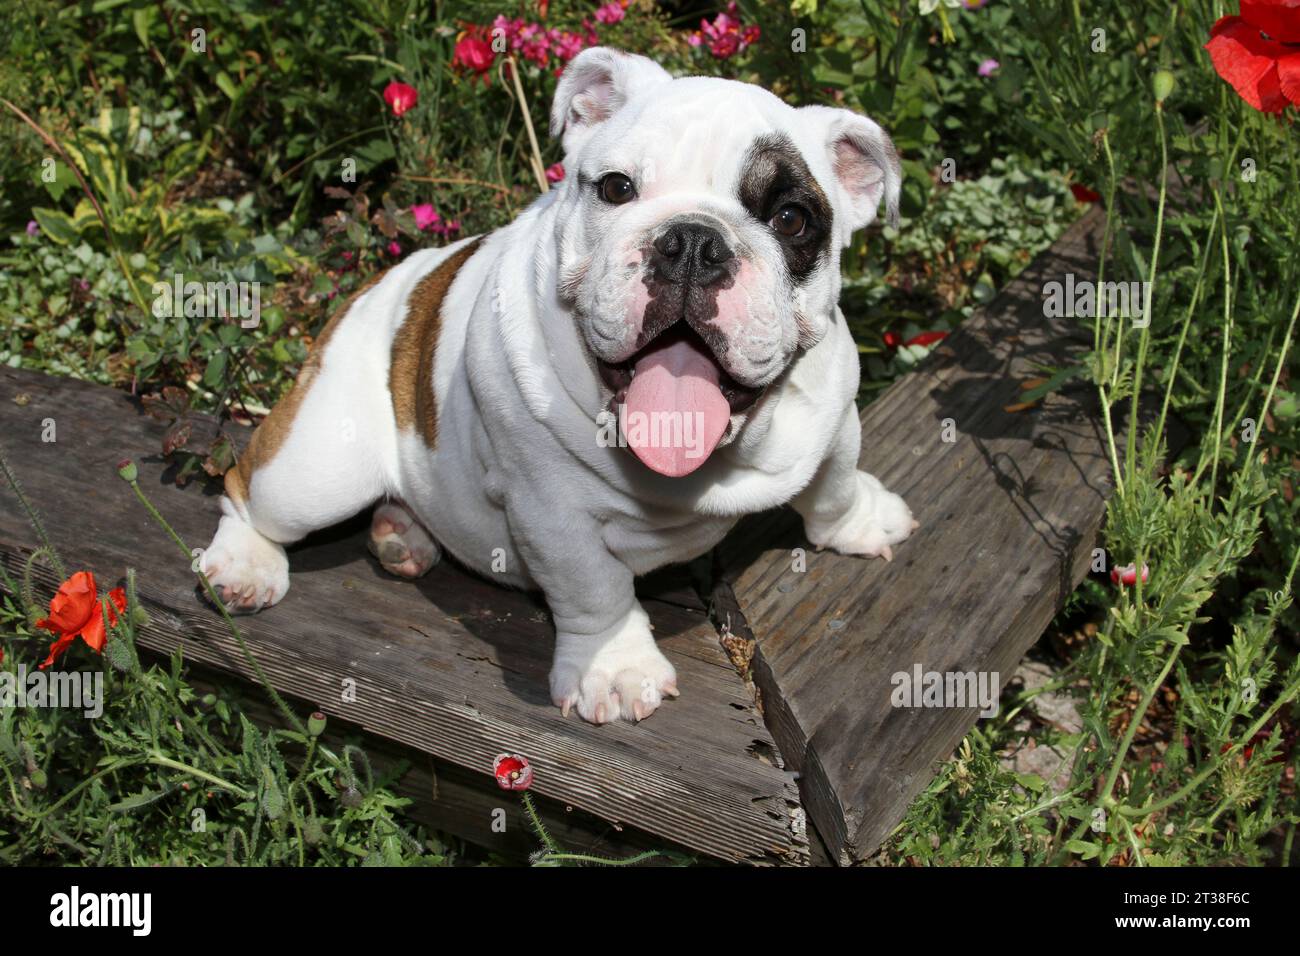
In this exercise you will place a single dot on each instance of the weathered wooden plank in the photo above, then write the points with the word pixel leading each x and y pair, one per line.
pixel 460 802
pixel 1009 509
pixel 450 666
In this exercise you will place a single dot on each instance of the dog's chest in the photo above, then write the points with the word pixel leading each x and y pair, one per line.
pixel 646 543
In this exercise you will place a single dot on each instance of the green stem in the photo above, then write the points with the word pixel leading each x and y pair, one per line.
pixel 602 860
pixel 33 517
pixel 1131 732
pixel 279 702
pixel 1187 324
pixel 1144 338
pixel 1220 399
pixel 160 760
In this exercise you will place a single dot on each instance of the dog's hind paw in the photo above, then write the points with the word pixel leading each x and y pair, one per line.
pixel 400 542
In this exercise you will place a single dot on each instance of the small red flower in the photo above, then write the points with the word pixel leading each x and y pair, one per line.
pixel 473 53
pixel 76 611
pixel 1127 575
pixel 1258 53
pixel 555 173
pixel 926 338
pixel 1083 194
pixel 512 772
pixel 892 340
pixel 400 97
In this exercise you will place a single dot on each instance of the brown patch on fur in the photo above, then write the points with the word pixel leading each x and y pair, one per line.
pixel 410 373
pixel 274 429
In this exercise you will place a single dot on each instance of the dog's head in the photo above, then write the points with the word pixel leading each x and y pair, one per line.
pixel 700 234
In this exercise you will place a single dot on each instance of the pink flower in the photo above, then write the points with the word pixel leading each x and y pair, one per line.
pixel 447 229
pixel 725 36
pixel 400 97
pixel 425 216
pixel 394 249
pixel 510 30
pixel 555 173
pixel 33 228
pixel 535 43
pixel 568 45
pixel 987 67
pixel 611 13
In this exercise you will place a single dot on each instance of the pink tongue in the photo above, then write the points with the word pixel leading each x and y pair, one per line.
pixel 674 412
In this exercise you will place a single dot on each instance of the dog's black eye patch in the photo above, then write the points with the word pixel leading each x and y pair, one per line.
pixel 774 175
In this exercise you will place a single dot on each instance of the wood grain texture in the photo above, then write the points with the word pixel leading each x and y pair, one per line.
pixel 1009 511
pixel 450 666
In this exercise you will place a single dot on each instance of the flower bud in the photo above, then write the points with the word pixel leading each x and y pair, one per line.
pixel 126 468
pixel 1164 85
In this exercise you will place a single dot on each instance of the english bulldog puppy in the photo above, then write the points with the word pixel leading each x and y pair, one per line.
pixel 651 351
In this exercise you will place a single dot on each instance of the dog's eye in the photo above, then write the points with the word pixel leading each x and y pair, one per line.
pixel 616 189
pixel 789 221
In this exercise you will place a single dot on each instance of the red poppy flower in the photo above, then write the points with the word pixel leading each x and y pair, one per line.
pixel 892 340
pixel 1127 575
pixel 1083 194
pixel 400 97
pixel 1258 53
pixel 512 772
pixel 926 338
pixel 473 52
pixel 76 611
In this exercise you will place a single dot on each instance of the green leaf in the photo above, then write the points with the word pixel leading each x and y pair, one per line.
pixel 1031 781
pixel 1084 849
pixel 57 225
pixel 226 85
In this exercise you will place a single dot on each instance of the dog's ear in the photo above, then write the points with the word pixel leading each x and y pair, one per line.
pixel 595 84
pixel 865 164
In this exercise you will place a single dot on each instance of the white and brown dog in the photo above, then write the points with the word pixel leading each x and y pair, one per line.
pixel 675 296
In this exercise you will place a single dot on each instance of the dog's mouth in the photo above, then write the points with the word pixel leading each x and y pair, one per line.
pixel 676 400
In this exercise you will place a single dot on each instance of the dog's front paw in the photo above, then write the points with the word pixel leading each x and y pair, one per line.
pixel 618 673
pixel 248 572
pixel 877 520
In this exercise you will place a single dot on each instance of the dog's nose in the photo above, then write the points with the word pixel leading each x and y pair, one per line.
pixel 690 252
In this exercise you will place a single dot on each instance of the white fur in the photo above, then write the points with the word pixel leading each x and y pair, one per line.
pixel 612 673
pixel 518 487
